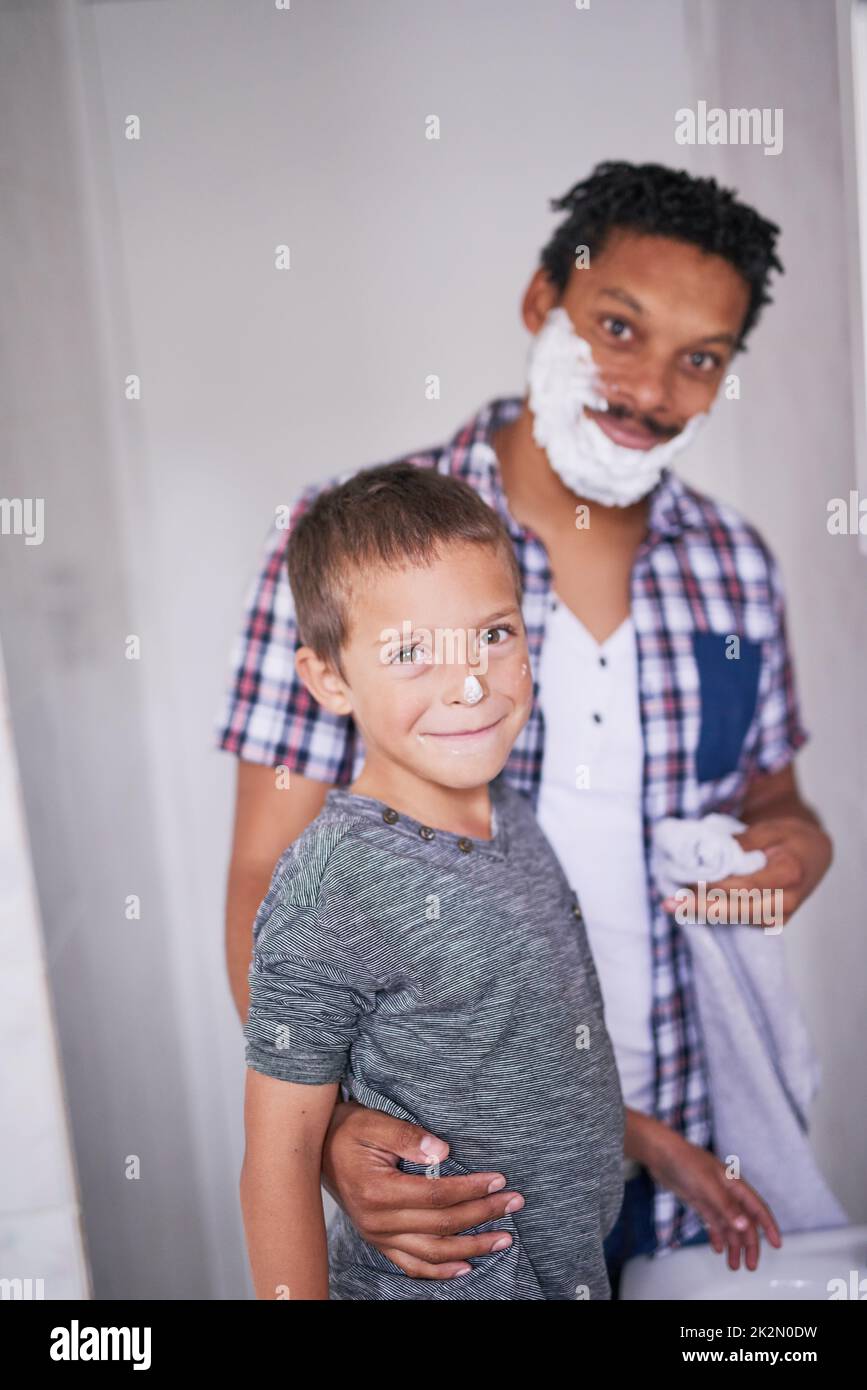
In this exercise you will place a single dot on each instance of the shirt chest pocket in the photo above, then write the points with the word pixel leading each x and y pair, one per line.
pixel 729 667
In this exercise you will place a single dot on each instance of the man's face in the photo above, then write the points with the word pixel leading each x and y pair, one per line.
pixel 663 319
pixel 406 685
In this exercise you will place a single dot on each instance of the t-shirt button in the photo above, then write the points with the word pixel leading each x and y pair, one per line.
pixel 465 844
pixel 577 913
pixel 602 661
pixel 597 719
pixel 425 832
pixel 389 815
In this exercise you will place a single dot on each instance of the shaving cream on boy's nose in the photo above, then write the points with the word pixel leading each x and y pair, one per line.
pixel 563 378
pixel 472 690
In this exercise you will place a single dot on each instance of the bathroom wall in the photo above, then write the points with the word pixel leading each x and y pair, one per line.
pixel 154 257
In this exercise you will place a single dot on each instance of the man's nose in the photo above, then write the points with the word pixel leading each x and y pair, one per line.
pixel 648 388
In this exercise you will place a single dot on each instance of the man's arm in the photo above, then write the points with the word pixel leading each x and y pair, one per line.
pixel 267 820
pixel 798 848
pixel 779 822
pixel 281 1200
pixel 733 1212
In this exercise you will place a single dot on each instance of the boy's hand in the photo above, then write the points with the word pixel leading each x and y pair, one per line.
pixel 414 1220
pixel 732 1210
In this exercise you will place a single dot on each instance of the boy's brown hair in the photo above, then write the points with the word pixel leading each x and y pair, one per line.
pixel 386 517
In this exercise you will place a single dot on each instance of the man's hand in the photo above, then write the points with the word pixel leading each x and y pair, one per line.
pixel 732 1211
pixel 414 1220
pixel 798 854
pixel 798 849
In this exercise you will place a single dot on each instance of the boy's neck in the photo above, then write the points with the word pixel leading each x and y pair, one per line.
pixel 458 810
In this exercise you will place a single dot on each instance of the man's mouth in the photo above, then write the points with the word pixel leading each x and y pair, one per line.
pixel 627 431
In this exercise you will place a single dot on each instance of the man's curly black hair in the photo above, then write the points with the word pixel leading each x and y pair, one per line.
pixel 656 200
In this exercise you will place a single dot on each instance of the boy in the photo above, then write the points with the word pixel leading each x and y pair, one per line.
pixel 419 941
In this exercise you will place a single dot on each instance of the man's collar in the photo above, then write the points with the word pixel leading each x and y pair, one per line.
pixel 673 507
pixel 480 427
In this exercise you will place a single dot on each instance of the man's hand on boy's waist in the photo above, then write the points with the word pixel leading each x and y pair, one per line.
pixel 413 1220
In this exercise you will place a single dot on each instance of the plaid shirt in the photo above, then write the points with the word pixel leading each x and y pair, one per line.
pixel 716 697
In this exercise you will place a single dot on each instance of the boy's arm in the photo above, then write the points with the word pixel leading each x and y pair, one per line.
pixel 281 1200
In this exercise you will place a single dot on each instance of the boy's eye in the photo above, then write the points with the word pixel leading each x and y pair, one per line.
pixel 414 655
pixel 503 627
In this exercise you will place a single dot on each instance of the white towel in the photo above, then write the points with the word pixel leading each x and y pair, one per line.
pixel 763 1072
pixel 693 851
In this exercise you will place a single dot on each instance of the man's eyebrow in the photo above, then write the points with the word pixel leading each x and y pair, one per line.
pixel 728 338
pixel 623 297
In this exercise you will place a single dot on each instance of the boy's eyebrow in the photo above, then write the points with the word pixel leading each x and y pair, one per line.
pixel 496 617
pixel 485 623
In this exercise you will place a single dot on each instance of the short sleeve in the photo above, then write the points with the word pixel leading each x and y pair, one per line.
pixel 268 715
pixel 309 993
pixel 781 732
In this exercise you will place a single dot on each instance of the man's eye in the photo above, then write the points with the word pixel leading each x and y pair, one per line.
pixel 616 327
pixel 710 357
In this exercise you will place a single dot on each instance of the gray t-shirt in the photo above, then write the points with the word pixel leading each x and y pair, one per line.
pixel 449 982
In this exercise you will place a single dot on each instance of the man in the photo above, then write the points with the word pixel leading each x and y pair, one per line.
pixel 635 585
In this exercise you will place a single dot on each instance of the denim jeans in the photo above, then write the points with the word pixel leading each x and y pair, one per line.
pixel 633 1231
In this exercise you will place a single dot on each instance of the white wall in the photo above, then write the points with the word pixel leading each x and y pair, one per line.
pixel 408 257
pixel 81 713
pixel 42 1247
pixel 780 453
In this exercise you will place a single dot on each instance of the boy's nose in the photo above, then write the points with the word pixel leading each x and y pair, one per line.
pixel 466 688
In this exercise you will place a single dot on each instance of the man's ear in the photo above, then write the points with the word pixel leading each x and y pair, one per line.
pixel 324 683
pixel 540 296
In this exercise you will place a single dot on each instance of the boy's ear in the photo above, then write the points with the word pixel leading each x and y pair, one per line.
pixel 323 682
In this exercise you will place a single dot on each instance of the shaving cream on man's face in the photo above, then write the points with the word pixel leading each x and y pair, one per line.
pixel 563 378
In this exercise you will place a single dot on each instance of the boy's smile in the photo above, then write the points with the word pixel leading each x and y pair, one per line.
pixel 464 738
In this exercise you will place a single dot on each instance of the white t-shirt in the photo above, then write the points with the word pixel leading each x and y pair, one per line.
pixel 590 808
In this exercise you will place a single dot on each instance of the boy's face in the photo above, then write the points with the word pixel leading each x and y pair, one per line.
pixel 416 635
